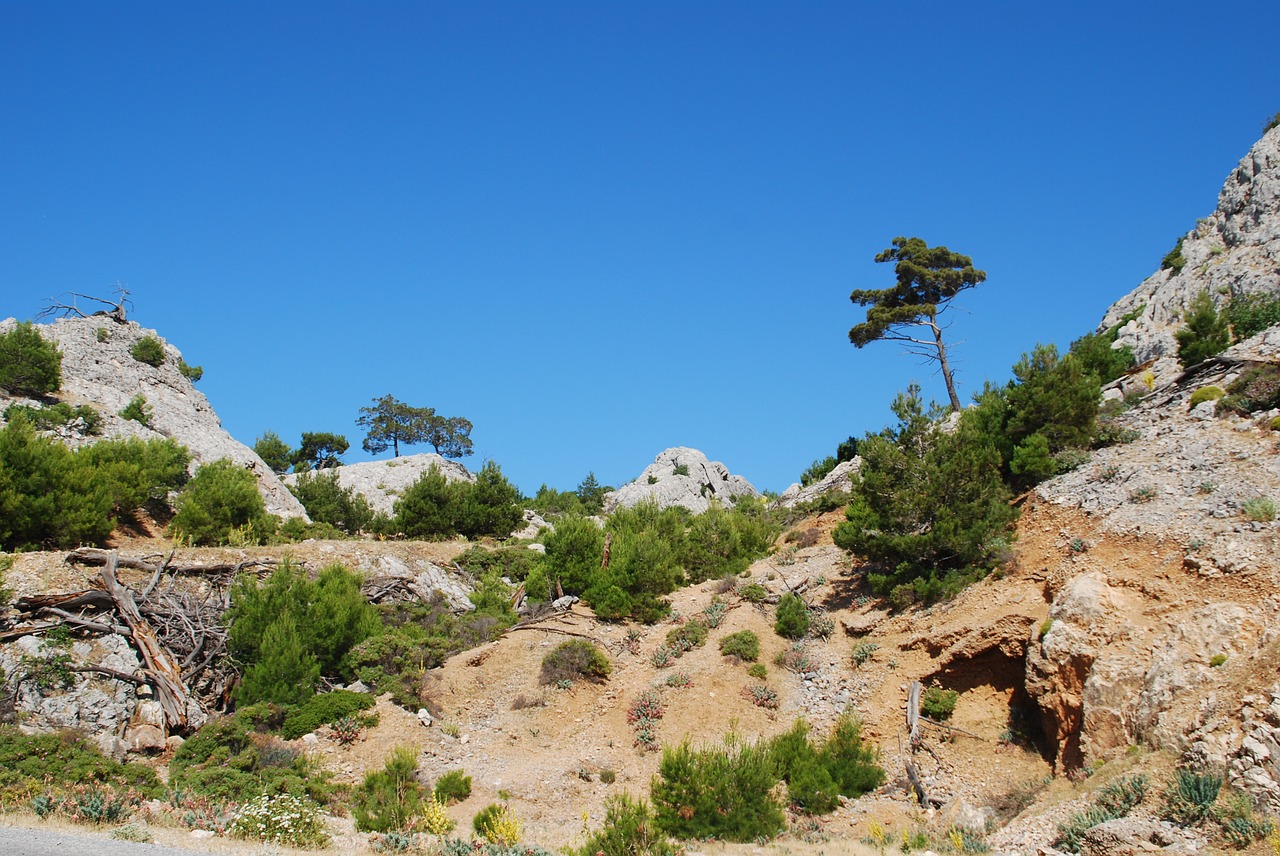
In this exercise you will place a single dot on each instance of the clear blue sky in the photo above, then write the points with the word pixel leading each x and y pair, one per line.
pixel 599 229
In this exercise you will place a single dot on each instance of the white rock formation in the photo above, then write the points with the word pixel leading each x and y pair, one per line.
pixel 839 479
pixel 383 482
pixel 1234 251
pixel 705 480
pixel 103 375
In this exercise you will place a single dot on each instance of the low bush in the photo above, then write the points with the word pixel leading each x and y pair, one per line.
pixel 137 410
pixel 753 593
pixel 1189 798
pixel 27 761
pixel 938 704
pixel 1257 388
pixel 758 671
pixel 1260 509
pixel 692 634
pixel 221 498
pixel 453 786
pixel 793 617
pixel 327 501
pixel 390 799
pixel 1250 314
pixel 57 415
pixel 497 824
pixel 1115 800
pixel 630 829
pixel 745 645
pixel 862 652
pixel 191 373
pixel 148 350
pixel 574 660
pixel 1206 393
pixel 322 710
pixel 723 793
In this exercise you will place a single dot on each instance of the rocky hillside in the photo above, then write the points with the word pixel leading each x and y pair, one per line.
pixel 685 477
pixel 99 370
pixel 1233 251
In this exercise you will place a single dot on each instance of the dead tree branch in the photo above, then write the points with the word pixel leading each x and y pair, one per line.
pixel 65 306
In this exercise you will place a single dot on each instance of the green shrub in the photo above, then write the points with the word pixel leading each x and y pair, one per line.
pixel 497 824
pixel 453 786
pixel 793 617
pixel 937 703
pixel 1173 259
pixel 818 470
pixel 138 411
pixel 52 497
pixel 29 365
pixel 514 563
pixel 723 793
pixel 692 634
pixel 327 501
pixel 433 508
pixel 758 671
pixel 1189 799
pixel 1206 393
pixel 148 350
pixel 52 416
pixel 390 799
pixel 291 630
pixel 720 541
pixel 1250 314
pixel 191 373
pixel 1217 660
pixel 680 470
pixel 1260 509
pixel 745 645
pixel 576 659
pixel 324 709
pixel 26 762
pixel 862 652
pixel 221 497
pixel 629 829
pixel 235 759
pixel 1113 801
pixel 1206 333
pixel 1257 388
pixel 753 593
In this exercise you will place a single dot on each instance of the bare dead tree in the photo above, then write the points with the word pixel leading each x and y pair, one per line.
pixel 66 305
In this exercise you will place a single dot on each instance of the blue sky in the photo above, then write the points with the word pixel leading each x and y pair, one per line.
pixel 601 229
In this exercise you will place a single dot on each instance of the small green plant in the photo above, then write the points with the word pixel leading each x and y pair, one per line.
pixel 938 703
pixel 1206 393
pixel 821 626
pixel 713 615
pixel 1174 260
pixel 148 350
pixel 761 696
pixel 1114 800
pixel 102 334
pixel 646 706
pixel 1142 494
pixel 454 730
pixel 680 470
pixel 753 593
pixel 1078 545
pixel 664 656
pixel 1259 509
pixel 497 824
pixel 608 777
pixel 1189 799
pixel 1217 660
pixel 758 671
pixel 629 830
pixel 692 634
pixel 796 659
pixel 452 787
pixel 679 680
pixel 346 730
pixel 1046 626
pixel 862 653
pixel 191 373
pixel 138 410
pixel 390 799
pixel 745 645
pixel 576 659
pixel 1108 473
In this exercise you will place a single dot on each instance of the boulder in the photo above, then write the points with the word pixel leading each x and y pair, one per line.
pixel 384 482
pixel 684 477
pixel 839 479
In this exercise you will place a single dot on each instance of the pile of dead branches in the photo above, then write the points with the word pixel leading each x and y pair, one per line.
pixel 176 629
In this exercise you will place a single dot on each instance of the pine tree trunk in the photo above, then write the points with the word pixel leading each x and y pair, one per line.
pixel 946 367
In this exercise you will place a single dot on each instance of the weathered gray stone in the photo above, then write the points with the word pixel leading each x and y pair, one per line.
pixel 839 479
pixel 105 376
pixel 706 481
pixel 382 483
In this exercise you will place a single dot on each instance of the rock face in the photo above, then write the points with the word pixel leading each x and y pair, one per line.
pixel 103 375
pixel 839 479
pixel 1234 251
pixel 383 482
pixel 684 477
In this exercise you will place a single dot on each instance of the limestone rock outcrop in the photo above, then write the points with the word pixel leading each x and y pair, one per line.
pixel 839 479
pixel 685 477
pixel 383 482
pixel 98 370
pixel 1234 251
